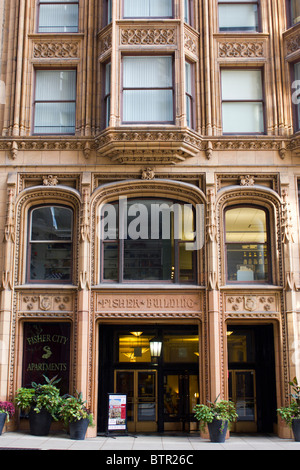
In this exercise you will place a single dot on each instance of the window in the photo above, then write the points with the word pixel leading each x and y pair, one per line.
pixel 148 9
pixel 295 11
pixel 188 11
pixel 148 89
pixel 247 244
pixel 107 93
pixel 50 244
pixel 242 101
pixel 238 15
pixel 55 102
pixel 56 16
pixel 148 240
pixel 295 95
pixel 189 81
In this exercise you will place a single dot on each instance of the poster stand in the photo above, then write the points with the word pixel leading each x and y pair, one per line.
pixel 117 415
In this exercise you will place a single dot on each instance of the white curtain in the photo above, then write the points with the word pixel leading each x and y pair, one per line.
pixel 238 17
pixel 58 18
pixel 242 107
pixel 147 89
pixel 55 102
pixel 147 8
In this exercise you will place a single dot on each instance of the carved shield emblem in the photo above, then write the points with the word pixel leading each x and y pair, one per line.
pixel 45 302
pixel 250 303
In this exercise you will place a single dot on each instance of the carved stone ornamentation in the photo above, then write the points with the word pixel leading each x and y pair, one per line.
pixel 148 36
pixel 56 50
pixel 247 180
pixel 50 180
pixel 148 174
pixel 241 49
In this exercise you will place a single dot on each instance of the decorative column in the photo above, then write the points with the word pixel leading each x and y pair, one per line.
pixel 214 320
pixel 83 378
pixel 6 301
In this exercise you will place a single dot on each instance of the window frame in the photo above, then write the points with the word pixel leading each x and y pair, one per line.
pixel 65 69
pixel 263 99
pixel 268 244
pixel 234 30
pixel 49 2
pixel 120 250
pixel 30 242
pixel 106 95
pixel 147 17
pixel 139 88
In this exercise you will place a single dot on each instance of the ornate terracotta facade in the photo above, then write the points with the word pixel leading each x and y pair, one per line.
pixel 198 166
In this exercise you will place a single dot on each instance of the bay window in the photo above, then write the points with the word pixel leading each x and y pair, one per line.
pixel 50 244
pixel 56 16
pixel 148 89
pixel 148 9
pixel 242 101
pixel 238 15
pixel 148 240
pixel 247 244
pixel 55 102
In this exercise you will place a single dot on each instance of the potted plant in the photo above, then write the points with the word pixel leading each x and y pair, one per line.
pixel 216 415
pixel 7 410
pixel 75 415
pixel 291 414
pixel 42 402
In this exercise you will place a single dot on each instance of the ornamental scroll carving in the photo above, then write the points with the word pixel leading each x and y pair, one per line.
pixel 56 50
pixel 148 36
pixel 241 49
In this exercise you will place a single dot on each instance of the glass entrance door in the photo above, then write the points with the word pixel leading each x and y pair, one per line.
pixel 181 394
pixel 141 389
pixel 242 393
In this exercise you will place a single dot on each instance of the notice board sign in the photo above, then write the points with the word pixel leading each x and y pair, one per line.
pixel 117 412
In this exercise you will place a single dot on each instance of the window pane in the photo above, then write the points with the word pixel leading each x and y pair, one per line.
pixel 51 223
pixel 181 348
pixel 147 72
pixel 241 85
pixel 295 10
pixel 186 265
pixel 238 17
pixel 58 18
pixel 243 118
pixel 135 347
pixel 297 77
pixel 50 262
pixel 148 260
pixel 246 224
pixel 110 261
pixel 54 118
pixel 148 106
pixel 55 85
pixel 147 8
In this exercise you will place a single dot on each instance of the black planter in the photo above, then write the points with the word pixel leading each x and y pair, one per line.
pixel 217 434
pixel 39 422
pixel 296 429
pixel 78 429
pixel 2 421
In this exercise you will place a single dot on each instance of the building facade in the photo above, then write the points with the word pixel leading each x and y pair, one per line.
pixel 120 120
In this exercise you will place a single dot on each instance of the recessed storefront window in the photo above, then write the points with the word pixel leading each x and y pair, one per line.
pixel 50 244
pixel 247 245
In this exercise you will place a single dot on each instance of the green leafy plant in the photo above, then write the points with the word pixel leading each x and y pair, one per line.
pixel 73 408
pixel 223 410
pixel 288 413
pixel 40 396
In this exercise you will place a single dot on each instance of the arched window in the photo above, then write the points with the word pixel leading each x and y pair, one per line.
pixel 50 244
pixel 148 240
pixel 247 242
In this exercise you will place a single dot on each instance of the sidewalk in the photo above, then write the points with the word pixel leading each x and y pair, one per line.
pixel 141 442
